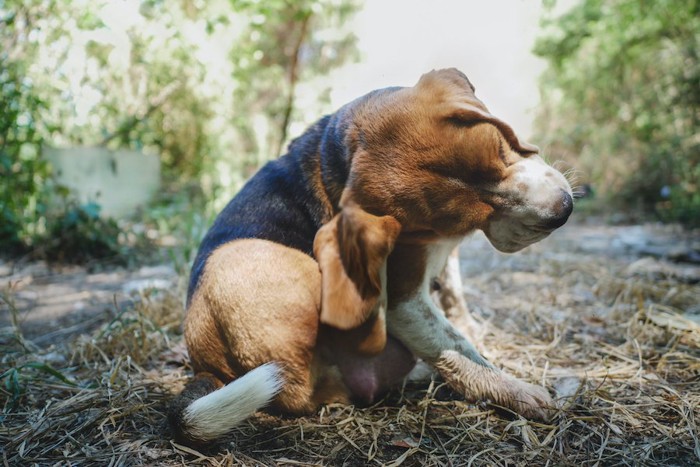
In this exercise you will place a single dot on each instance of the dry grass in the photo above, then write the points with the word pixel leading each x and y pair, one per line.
pixel 613 342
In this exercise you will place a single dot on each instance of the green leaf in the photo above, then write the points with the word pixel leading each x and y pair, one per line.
pixel 48 369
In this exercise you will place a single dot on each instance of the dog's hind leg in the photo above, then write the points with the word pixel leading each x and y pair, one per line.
pixel 252 324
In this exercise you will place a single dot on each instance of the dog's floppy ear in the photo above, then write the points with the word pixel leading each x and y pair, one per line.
pixel 352 250
pixel 467 113
pixel 463 106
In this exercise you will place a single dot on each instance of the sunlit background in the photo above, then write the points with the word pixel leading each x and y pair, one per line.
pixel 491 41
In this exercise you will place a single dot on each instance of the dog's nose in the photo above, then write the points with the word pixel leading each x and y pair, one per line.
pixel 562 210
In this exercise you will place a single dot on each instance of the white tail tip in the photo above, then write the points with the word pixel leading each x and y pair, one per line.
pixel 215 414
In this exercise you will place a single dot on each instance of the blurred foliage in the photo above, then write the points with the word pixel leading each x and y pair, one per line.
pixel 210 86
pixel 177 220
pixel 621 97
pixel 77 234
pixel 22 171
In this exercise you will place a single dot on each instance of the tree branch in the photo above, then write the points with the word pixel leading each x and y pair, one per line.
pixel 131 122
pixel 293 79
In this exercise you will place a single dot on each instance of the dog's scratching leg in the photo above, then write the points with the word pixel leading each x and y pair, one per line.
pixel 477 382
pixel 217 412
pixel 297 396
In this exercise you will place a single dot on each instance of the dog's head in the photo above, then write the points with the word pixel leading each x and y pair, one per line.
pixel 432 158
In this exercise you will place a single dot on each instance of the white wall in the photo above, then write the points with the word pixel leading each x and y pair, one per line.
pixel 119 181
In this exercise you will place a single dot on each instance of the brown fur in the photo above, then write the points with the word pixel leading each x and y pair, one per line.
pixel 233 322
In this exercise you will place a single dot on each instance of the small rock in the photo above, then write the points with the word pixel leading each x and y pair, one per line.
pixel 567 387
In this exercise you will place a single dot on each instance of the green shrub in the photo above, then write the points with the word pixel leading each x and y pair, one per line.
pixel 23 173
pixel 621 101
pixel 77 234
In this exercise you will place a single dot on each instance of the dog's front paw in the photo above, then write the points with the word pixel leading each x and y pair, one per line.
pixel 477 382
pixel 529 400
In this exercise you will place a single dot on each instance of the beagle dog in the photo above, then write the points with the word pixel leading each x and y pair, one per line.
pixel 313 284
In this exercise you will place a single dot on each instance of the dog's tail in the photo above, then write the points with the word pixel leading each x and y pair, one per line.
pixel 205 411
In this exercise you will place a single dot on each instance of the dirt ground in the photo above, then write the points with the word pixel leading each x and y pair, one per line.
pixel 61 301
pixel 606 316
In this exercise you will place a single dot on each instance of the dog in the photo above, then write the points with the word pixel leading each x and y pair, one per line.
pixel 313 284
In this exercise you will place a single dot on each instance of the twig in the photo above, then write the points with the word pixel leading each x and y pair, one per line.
pixel 293 79
pixel 131 122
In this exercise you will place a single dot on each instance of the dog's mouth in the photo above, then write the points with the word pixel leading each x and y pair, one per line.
pixel 512 230
pixel 528 206
pixel 508 237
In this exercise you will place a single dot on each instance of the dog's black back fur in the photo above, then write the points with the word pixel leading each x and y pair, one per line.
pixel 278 203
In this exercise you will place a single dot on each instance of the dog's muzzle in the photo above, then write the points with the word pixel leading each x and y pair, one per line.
pixel 560 212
